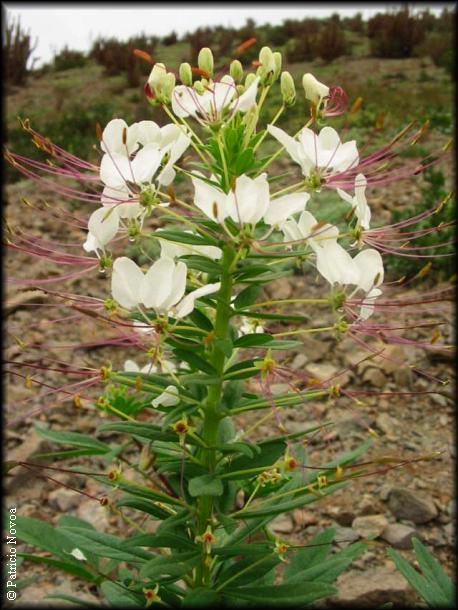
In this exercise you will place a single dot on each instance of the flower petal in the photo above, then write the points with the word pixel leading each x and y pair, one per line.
pixel 112 137
pixel 115 169
pixel 370 268
pixel 187 304
pixel 126 282
pixel 248 97
pixel 103 224
pixel 209 199
pixel 169 397
pixel 146 162
pixel 281 209
pixel 158 283
pixel 291 145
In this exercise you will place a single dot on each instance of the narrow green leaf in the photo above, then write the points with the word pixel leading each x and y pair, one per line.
pixel 76 569
pixel 105 545
pixel 166 540
pixel 118 595
pixel 195 361
pixel 181 237
pixel 72 438
pixel 279 595
pixel 247 297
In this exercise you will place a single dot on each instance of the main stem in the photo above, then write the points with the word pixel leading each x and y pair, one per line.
pixel 212 414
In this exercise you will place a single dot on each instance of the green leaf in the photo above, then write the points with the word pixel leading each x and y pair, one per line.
pixel 206 485
pixel 244 162
pixel 312 554
pixel 177 565
pixel 143 430
pixel 195 361
pixel 202 263
pixel 44 536
pixel 247 296
pixel 432 570
pixel 224 346
pixel 73 600
pixel 246 570
pixel 434 586
pixel 73 438
pixel 104 545
pixel 76 569
pixel 181 237
pixel 201 598
pixel 145 506
pixel 279 595
pixel 253 340
pixel 119 596
pixel 200 320
pixel 243 467
pixel 244 448
pixel 163 540
pixel 240 370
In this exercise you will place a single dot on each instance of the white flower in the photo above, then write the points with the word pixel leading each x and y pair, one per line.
pixel 162 288
pixel 323 153
pixel 314 90
pixel 77 554
pixel 103 225
pixel 174 250
pixel 132 367
pixel 249 202
pixel 365 270
pixel 210 104
pixel 359 201
pixel 368 304
pixel 250 326
pixel 308 229
pixel 169 397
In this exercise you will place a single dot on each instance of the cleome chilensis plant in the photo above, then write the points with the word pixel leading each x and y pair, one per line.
pixel 183 465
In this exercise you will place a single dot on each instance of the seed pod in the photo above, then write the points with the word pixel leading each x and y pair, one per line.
pixel 277 60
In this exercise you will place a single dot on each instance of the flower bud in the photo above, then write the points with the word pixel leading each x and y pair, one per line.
pixel 249 79
pixel 236 71
pixel 186 74
pixel 277 59
pixel 288 89
pixel 205 60
pixel 162 83
pixel 199 87
pixel 268 65
pixel 313 89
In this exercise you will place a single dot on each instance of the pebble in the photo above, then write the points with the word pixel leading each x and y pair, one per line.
pixel 299 361
pixel 370 526
pixel 387 424
pixel 345 536
pixel 375 377
pixel 415 506
pixel 282 524
pixel 64 499
pixel 372 588
pixel 399 535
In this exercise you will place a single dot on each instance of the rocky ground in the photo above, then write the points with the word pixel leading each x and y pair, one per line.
pixel 393 506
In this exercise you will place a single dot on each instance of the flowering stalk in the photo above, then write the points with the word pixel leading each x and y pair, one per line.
pixel 205 338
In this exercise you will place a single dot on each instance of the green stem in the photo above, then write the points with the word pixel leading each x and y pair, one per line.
pixel 212 415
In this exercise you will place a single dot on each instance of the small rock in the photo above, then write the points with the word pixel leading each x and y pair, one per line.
pixel 282 524
pixel 370 525
pixel 300 360
pixel 322 371
pixel 94 514
pixel 341 516
pixel 387 424
pixel 403 377
pixel 314 349
pixel 64 499
pixel 367 505
pixel 449 533
pixel 304 518
pixel 394 357
pixel 345 536
pixel 280 289
pixel 399 535
pixel 375 377
pixel 374 587
pixel 439 400
pixel 384 491
pixel 413 505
